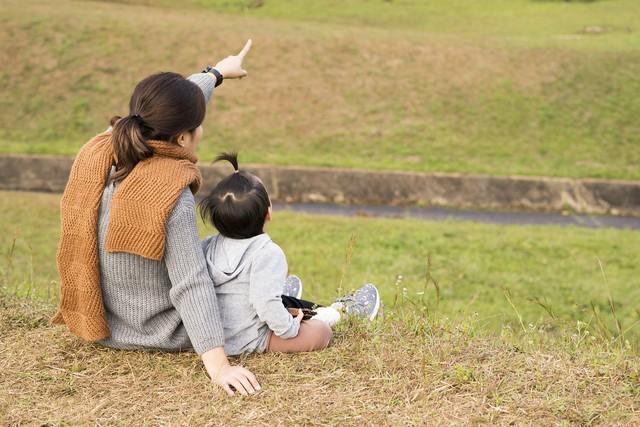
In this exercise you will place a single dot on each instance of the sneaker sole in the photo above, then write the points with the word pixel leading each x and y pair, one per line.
pixel 299 294
pixel 377 306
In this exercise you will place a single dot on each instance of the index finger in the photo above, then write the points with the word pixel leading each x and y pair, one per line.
pixel 245 49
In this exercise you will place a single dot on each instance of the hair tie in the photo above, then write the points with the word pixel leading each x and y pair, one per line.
pixel 237 171
pixel 141 122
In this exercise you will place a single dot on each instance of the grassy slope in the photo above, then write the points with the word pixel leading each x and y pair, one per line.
pixel 530 22
pixel 473 263
pixel 506 87
pixel 402 371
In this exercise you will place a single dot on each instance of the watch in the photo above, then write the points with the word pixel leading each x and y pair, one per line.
pixel 216 73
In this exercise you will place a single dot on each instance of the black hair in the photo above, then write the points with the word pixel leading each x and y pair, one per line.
pixel 162 106
pixel 238 205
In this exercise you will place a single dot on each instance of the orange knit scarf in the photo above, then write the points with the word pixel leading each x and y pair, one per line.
pixel 138 213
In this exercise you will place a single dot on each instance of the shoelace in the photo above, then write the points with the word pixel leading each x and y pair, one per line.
pixel 346 298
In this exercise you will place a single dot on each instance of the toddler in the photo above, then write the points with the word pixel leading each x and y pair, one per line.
pixel 249 271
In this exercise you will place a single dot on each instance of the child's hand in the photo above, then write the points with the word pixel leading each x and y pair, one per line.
pixel 297 314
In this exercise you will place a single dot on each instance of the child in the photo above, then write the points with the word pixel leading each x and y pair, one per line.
pixel 249 272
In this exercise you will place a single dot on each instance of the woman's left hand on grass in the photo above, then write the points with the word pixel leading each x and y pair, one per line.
pixel 230 378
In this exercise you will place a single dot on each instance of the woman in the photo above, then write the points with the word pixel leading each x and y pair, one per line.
pixel 133 274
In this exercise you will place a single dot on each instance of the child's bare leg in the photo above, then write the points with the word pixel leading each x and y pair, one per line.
pixel 313 335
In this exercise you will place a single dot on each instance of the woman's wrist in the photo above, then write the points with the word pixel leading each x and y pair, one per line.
pixel 215 73
pixel 214 361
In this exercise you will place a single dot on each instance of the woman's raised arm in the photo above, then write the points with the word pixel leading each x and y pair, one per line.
pixel 229 67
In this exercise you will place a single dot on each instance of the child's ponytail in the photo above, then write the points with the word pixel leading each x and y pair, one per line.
pixel 238 205
pixel 229 157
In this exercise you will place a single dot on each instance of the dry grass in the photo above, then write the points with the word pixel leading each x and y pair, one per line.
pixel 404 370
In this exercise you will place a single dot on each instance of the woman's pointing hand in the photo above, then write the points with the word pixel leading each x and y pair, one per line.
pixel 231 66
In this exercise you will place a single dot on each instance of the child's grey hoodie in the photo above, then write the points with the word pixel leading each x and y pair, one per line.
pixel 249 275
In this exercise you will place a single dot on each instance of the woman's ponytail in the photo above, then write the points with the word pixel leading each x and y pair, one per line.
pixel 128 137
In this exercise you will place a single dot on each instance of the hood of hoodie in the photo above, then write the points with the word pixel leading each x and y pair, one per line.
pixel 227 258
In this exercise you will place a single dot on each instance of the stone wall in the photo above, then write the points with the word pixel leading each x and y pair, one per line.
pixel 346 186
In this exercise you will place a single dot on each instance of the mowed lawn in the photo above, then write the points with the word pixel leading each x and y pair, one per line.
pixel 486 272
pixel 494 87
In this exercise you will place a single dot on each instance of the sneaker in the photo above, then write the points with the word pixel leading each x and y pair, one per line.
pixel 365 302
pixel 292 287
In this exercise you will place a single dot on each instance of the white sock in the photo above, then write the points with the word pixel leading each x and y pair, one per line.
pixel 329 315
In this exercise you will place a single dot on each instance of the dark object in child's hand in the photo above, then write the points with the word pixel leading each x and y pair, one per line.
pixel 306 313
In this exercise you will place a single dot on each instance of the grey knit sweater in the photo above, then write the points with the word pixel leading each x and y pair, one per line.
pixel 168 304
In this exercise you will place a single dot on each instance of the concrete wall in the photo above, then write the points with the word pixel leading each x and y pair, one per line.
pixel 346 186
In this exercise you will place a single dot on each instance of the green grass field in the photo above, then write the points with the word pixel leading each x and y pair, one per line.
pixel 547 272
pixel 526 22
pixel 498 87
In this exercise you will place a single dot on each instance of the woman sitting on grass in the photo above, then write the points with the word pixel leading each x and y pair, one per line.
pixel 132 270
pixel 249 271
